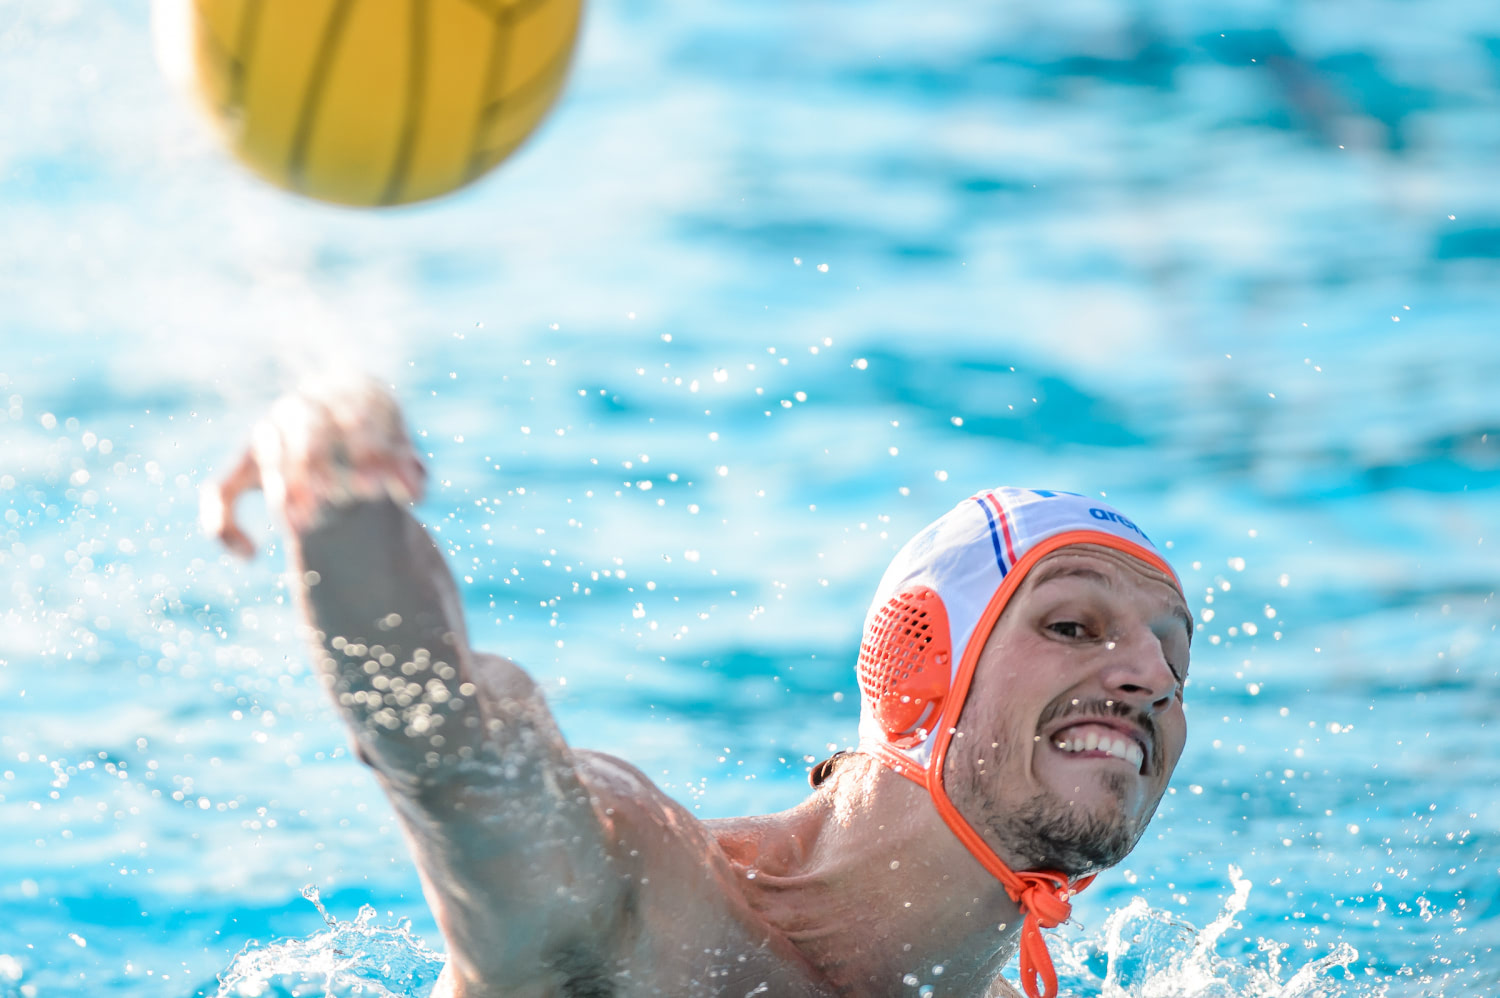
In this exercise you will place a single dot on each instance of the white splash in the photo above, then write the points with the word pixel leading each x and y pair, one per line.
pixel 1145 953
pixel 350 958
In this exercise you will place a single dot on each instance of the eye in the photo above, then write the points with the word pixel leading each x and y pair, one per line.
pixel 1179 673
pixel 1069 629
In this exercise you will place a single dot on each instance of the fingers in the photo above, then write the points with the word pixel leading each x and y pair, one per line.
pixel 332 444
pixel 300 449
pixel 377 450
pixel 237 541
pixel 410 476
pixel 380 451
pixel 216 506
pixel 243 478
pixel 324 447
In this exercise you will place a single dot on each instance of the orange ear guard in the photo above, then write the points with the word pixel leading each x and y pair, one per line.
pixel 905 664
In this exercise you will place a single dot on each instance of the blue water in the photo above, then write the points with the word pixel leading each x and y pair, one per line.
pixel 1235 265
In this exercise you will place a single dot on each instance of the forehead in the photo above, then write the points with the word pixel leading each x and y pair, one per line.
pixel 1116 571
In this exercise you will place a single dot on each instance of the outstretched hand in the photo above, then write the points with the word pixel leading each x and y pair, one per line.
pixel 324 447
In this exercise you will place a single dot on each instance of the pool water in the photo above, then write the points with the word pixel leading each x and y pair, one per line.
pixel 774 286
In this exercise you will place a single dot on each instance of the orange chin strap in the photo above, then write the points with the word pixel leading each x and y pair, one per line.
pixel 1045 902
pixel 1043 896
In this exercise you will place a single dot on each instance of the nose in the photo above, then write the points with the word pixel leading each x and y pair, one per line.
pixel 1136 671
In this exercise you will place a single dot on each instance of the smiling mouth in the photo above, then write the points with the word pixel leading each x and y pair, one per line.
pixel 1100 741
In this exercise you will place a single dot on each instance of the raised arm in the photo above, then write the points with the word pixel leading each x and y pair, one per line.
pixel 501 824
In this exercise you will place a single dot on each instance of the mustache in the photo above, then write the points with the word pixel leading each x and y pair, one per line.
pixel 1098 707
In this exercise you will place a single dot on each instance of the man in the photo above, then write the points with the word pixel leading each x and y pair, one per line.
pixel 1021 676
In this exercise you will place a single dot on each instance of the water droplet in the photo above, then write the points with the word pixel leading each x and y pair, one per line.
pixel 311 893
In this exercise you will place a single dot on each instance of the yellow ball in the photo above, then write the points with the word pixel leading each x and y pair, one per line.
pixel 379 102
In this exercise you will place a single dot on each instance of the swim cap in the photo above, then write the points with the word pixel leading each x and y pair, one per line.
pixel 929 620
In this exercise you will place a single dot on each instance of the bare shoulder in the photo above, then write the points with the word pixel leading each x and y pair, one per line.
pixel 633 807
pixel 689 904
pixel 682 872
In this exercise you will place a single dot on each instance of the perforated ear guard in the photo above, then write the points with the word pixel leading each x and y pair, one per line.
pixel 904 670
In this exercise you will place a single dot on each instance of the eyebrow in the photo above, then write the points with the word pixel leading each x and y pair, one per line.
pixel 1054 572
pixel 1051 573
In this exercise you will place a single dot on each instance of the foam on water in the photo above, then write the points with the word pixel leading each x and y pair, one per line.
pixel 349 958
pixel 1143 952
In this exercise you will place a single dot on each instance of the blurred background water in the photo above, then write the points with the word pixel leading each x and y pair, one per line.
pixel 775 285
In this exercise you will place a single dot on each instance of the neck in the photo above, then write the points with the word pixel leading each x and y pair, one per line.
pixel 872 887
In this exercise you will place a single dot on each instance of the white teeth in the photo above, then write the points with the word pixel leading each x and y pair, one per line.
pixel 1119 748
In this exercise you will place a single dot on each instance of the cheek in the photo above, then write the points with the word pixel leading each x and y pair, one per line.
pixel 1174 733
pixel 990 747
pixel 1022 679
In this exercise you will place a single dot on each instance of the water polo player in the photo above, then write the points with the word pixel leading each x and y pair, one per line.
pixel 1021 679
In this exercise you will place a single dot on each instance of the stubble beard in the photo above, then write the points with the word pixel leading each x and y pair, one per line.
pixel 1054 835
pixel 1045 832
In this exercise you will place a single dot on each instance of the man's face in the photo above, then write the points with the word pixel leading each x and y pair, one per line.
pixel 1074 721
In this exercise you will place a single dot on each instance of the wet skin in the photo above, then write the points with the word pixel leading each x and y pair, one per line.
pixel 559 873
pixel 552 873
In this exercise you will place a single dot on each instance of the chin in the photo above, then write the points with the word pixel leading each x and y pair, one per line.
pixel 1048 832
pixel 1079 842
pixel 1124 798
pixel 1071 825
